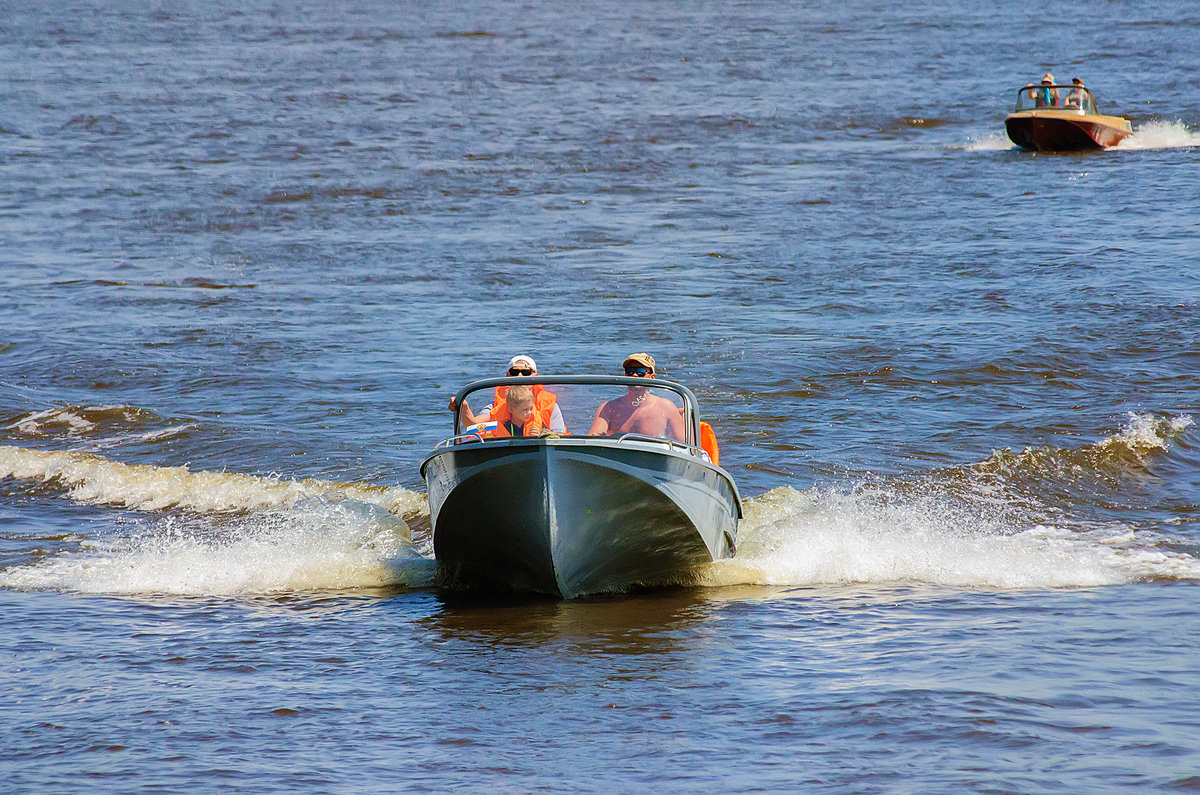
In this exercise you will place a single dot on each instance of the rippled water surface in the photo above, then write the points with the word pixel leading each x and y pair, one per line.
pixel 248 252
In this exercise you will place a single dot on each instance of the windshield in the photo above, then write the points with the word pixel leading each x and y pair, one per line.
pixel 1055 97
pixel 576 406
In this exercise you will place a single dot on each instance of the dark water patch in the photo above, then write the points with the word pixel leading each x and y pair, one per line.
pixel 101 125
pixel 920 122
pixel 350 192
pixel 287 196
pixel 199 283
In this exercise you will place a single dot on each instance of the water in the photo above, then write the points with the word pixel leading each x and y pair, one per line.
pixel 247 253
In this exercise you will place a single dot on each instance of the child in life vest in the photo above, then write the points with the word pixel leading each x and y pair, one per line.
pixel 516 415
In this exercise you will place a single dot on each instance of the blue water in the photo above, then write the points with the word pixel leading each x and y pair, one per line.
pixel 248 253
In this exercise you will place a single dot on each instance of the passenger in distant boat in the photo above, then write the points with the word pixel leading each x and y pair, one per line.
pixel 1077 97
pixel 1047 97
pixel 545 401
pixel 638 411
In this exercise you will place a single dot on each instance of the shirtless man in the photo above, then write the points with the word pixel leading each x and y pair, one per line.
pixel 638 411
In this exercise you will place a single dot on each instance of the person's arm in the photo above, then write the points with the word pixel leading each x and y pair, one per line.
pixel 466 417
pixel 675 427
pixel 600 424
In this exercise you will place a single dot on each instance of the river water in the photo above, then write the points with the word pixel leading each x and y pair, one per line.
pixel 247 252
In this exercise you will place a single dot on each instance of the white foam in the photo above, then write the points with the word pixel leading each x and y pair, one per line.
pixel 93 479
pixel 992 142
pixel 1149 431
pixel 317 544
pixel 1161 135
pixel 815 537
pixel 261 534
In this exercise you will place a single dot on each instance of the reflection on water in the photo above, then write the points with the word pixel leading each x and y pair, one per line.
pixel 629 623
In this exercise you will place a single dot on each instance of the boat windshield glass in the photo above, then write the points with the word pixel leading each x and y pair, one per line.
pixel 636 406
pixel 1044 97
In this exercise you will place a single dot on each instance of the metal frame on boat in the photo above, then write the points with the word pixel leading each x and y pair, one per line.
pixel 574 515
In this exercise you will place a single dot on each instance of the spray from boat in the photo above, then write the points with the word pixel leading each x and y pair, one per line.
pixel 995 523
pixel 1161 134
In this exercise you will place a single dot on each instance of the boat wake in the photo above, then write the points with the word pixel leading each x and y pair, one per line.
pixel 992 142
pixel 314 545
pixel 998 523
pixel 220 533
pixel 1009 521
pixel 91 478
pixel 817 538
pixel 1161 135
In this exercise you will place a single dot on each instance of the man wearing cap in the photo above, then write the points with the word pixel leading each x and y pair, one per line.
pixel 1077 97
pixel 545 401
pixel 638 411
pixel 1047 97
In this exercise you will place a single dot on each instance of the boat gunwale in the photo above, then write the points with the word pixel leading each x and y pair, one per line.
pixel 637 442
pixel 1072 115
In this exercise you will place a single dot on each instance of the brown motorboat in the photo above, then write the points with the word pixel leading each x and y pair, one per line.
pixel 1054 118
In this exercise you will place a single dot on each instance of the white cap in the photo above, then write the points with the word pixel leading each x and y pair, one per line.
pixel 526 361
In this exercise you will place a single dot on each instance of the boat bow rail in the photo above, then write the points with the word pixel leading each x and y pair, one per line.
pixel 1055 97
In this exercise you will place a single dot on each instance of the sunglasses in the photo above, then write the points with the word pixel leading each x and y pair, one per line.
pixel 640 372
pixel 520 371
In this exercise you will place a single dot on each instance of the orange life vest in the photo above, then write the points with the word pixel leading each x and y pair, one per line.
pixel 543 401
pixel 708 442
pixel 502 414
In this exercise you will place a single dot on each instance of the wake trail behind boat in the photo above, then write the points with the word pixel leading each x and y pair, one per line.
pixel 93 479
pixel 1161 134
pixel 240 534
pixel 996 523
pixel 314 545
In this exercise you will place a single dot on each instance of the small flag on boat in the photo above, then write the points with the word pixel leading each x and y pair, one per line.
pixel 482 427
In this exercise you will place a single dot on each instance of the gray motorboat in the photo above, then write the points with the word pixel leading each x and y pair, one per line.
pixel 571 515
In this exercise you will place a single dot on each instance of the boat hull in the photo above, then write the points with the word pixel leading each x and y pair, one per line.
pixel 570 517
pixel 1058 131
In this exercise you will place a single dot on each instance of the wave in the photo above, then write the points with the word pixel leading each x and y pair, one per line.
pixel 80 421
pixel 992 142
pixel 246 534
pixel 1090 473
pixel 805 538
pixel 1003 522
pixel 316 544
pixel 91 478
pixel 1161 135
pixel 997 523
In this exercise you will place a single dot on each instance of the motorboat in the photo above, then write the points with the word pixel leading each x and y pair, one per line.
pixel 1062 118
pixel 568 514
